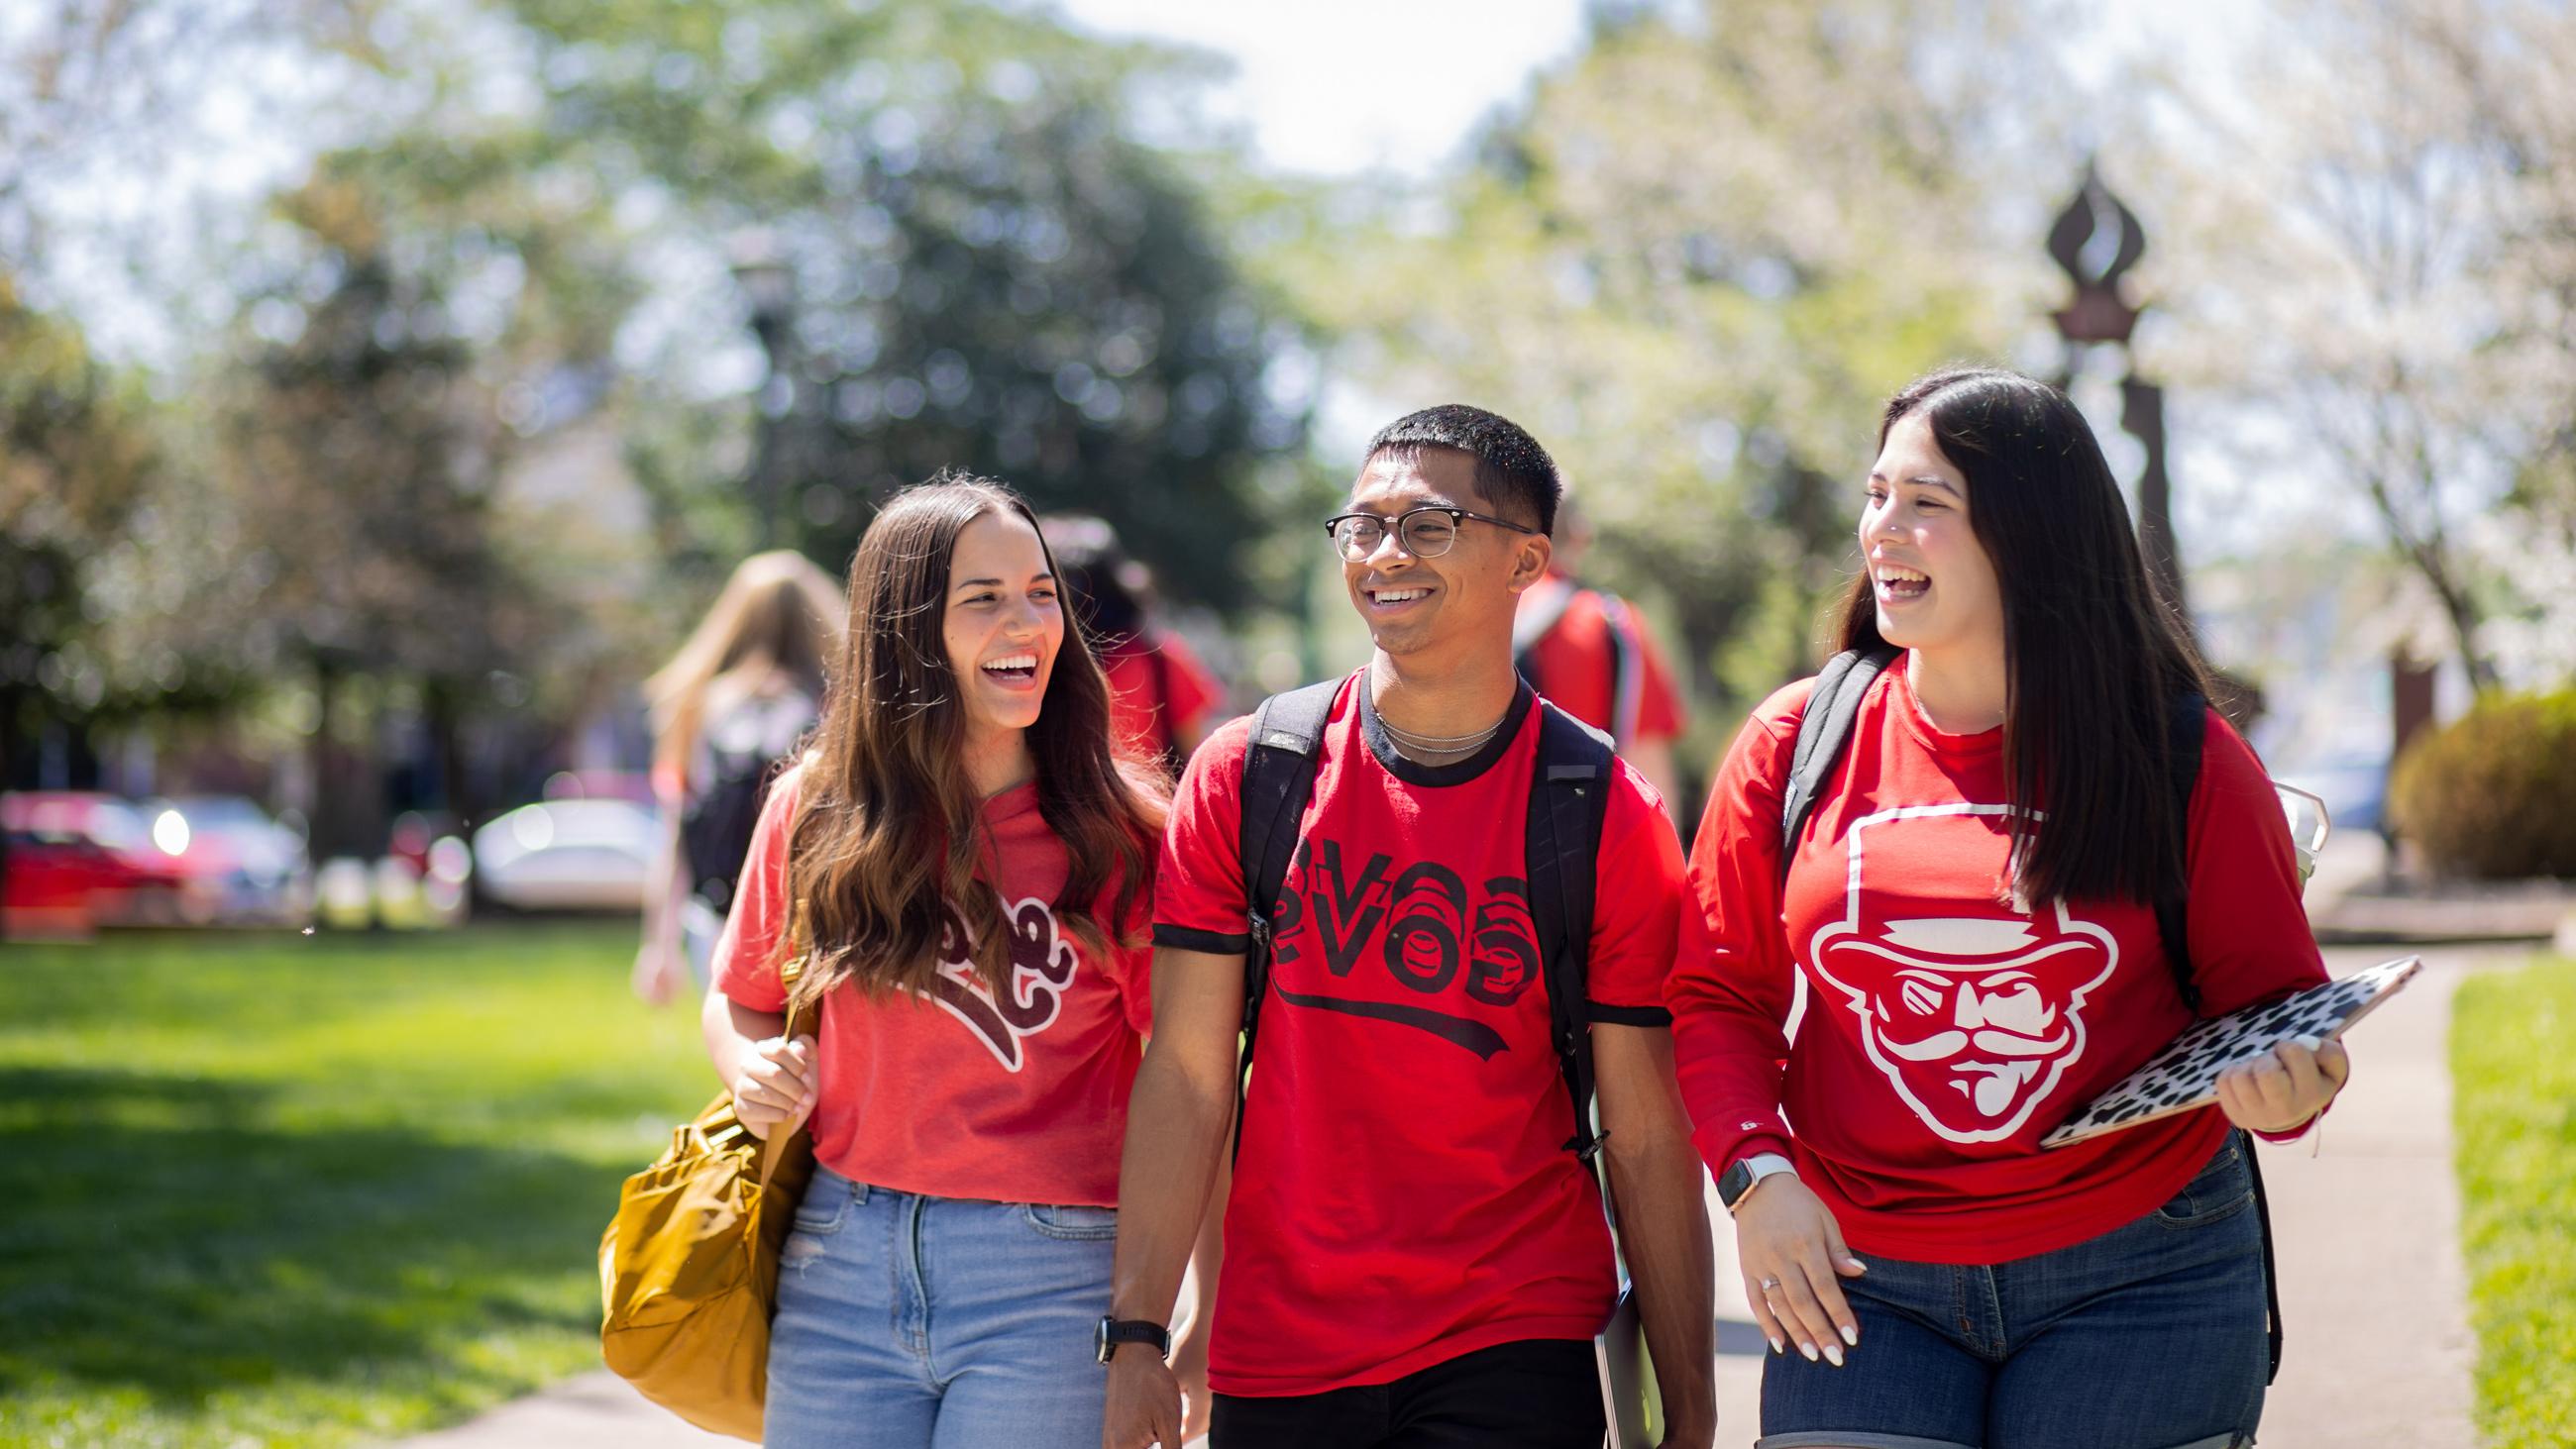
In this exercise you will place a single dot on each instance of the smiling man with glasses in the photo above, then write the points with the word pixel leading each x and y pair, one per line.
pixel 1415 1249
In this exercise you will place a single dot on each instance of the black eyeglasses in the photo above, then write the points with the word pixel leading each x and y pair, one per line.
pixel 1421 532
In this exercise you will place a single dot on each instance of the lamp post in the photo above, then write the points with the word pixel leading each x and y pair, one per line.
pixel 768 286
pixel 2096 240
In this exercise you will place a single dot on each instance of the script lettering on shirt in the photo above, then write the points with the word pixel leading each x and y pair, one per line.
pixel 1435 938
pixel 1042 965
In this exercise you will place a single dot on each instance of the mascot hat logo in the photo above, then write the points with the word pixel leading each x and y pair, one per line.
pixel 1974 1011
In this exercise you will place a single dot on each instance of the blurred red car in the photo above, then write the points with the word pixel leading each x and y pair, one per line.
pixel 78 859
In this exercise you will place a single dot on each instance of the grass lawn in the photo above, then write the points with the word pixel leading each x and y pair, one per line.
pixel 314 1190
pixel 2513 1058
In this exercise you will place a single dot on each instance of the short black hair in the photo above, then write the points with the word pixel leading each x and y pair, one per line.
pixel 1513 472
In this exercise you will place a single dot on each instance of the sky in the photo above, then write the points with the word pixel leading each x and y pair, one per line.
pixel 1331 86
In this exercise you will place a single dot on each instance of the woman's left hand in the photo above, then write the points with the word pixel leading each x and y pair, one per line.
pixel 2286 1087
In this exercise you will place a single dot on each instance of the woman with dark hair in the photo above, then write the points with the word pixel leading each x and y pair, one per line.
pixel 1159 692
pixel 1961 945
pixel 964 868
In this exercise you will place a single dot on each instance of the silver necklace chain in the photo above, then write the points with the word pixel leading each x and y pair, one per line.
pixel 1466 744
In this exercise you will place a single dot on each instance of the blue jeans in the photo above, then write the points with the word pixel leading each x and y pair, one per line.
pixel 2147 1337
pixel 909 1322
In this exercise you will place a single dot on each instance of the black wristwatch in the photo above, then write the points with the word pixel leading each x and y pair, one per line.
pixel 1741 1174
pixel 1115 1331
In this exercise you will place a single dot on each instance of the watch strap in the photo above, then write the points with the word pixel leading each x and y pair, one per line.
pixel 1116 1331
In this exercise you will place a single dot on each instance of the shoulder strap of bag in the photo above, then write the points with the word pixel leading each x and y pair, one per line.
pixel 1569 798
pixel 1627 668
pixel 1278 780
pixel 1824 727
pixel 2186 728
pixel 1532 625
pixel 802 1018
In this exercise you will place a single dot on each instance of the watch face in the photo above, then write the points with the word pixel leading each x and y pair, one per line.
pixel 1736 1181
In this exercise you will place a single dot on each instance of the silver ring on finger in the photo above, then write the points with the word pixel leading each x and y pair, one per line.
pixel 1770 1284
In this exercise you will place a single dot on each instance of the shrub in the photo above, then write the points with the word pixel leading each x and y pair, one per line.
pixel 2493 794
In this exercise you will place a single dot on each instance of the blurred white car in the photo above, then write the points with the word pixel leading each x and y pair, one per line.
pixel 252 868
pixel 567 855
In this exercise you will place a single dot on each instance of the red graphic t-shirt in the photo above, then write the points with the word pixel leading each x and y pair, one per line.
pixel 1156 691
pixel 1576 664
pixel 1403 1194
pixel 960 1093
pixel 1942 1032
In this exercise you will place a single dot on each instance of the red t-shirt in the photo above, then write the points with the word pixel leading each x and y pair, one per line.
pixel 1403 1194
pixel 1943 1033
pixel 961 1094
pixel 1575 664
pixel 1152 700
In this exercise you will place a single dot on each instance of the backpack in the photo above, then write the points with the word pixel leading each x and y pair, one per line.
pixel 1626 680
pixel 1569 796
pixel 742 755
pixel 1825 727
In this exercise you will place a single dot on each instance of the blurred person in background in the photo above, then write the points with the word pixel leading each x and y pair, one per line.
pixel 726 710
pixel 1160 693
pixel 960 836
pixel 1590 655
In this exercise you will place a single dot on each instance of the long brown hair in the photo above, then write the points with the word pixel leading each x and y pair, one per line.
pixel 889 836
pixel 2094 658
pixel 779 616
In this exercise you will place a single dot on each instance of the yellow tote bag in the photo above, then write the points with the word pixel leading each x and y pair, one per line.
pixel 688 1269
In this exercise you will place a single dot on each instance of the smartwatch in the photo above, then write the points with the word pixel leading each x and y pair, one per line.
pixel 1112 1332
pixel 1746 1171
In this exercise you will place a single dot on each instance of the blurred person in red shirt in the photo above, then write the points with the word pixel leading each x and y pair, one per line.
pixel 1592 656
pixel 1159 692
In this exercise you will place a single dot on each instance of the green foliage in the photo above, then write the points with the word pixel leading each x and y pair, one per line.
pixel 986 268
pixel 78 455
pixel 314 1191
pixel 1696 261
pixel 2516 1113
pixel 2493 793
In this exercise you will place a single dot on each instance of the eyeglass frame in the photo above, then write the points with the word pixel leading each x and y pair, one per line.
pixel 1394 528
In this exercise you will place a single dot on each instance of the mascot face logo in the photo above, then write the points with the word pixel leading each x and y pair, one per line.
pixel 1973 1011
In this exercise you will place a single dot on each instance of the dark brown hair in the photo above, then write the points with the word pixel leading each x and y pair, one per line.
pixel 2094 659
pixel 888 838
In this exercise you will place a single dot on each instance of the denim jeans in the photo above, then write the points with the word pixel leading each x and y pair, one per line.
pixel 937 1323
pixel 2149 1336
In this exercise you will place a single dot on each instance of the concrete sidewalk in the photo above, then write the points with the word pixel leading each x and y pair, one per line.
pixel 2378 1349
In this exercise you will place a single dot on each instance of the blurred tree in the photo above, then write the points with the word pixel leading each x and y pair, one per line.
pixel 1696 260
pixel 979 263
pixel 431 338
pixel 77 454
pixel 2380 216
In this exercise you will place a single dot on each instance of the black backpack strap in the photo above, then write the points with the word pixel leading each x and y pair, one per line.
pixel 1278 779
pixel 1569 798
pixel 2185 730
pixel 1627 668
pixel 1824 727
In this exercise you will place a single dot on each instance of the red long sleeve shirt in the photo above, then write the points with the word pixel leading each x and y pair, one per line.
pixel 1892 1024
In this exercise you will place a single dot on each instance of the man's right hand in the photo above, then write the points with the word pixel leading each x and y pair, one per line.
pixel 776 1085
pixel 1791 1253
pixel 1144 1401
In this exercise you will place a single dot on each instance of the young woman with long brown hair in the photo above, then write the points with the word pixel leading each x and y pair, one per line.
pixel 1972 909
pixel 965 867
